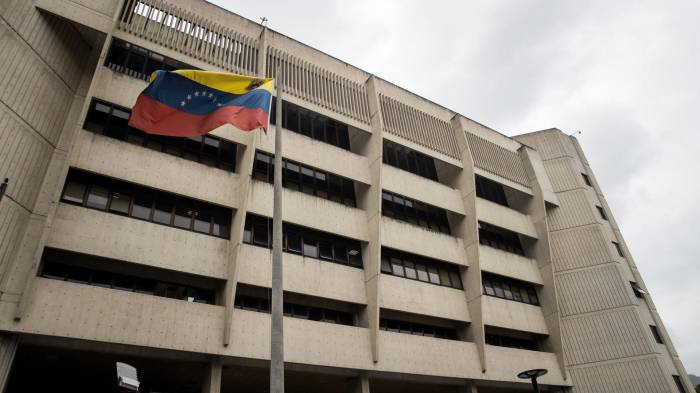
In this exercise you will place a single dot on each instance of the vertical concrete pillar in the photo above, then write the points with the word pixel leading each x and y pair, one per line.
pixel 468 231
pixel 371 255
pixel 8 348
pixel 212 377
pixel 543 254
pixel 361 384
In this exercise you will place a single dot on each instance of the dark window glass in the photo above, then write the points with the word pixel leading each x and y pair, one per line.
pixel 414 212
pixel 679 383
pixel 420 268
pixel 127 58
pixel 510 342
pixel 657 335
pixel 313 125
pixel 293 310
pixel 500 238
pixel 79 275
pixel 638 291
pixel 490 190
pixel 618 248
pixel 510 289
pixel 74 192
pixel 119 197
pixel 311 243
pixel 417 329
pixel 409 160
pixel 586 180
pixel 112 121
pixel 601 212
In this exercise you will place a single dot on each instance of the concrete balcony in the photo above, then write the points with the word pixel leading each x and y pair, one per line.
pixel 308 276
pixel 92 232
pixel 513 315
pixel 64 309
pixel 504 364
pixel 505 217
pixel 421 189
pixel 96 14
pixel 321 155
pixel 310 211
pixel 508 264
pixel 405 353
pixel 414 239
pixel 112 157
pixel 417 297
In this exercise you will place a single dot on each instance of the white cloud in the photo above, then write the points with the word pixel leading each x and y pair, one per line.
pixel 626 73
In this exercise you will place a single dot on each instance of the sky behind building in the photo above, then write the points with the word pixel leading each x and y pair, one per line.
pixel 624 73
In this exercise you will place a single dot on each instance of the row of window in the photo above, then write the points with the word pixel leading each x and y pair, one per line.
pixel 507 288
pixel 409 160
pixel 417 329
pixel 312 124
pixel 490 190
pixel 138 62
pixel 414 212
pixel 113 121
pixel 105 279
pixel 127 199
pixel 251 303
pixel 510 342
pixel 503 239
pixel 306 179
pixel 416 267
pixel 304 241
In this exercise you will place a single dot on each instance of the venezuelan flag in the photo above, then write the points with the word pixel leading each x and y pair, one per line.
pixel 189 103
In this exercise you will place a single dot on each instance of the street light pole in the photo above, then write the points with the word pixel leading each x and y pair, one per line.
pixel 532 375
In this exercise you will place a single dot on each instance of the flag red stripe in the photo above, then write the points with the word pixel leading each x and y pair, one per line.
pixel 153 117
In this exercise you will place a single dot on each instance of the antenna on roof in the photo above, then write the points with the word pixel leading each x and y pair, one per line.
pixel 577 132
pixel 263 21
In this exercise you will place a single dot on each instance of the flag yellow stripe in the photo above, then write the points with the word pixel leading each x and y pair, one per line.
pixel 230 83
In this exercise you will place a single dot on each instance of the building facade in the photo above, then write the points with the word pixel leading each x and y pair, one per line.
pixel 423 250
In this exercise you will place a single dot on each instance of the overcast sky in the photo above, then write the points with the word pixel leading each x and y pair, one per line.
pixel 626 74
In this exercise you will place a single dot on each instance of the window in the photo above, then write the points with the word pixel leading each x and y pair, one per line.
pixel 510 342
pixel 135 61
pixel 112 121
pixel 414 212
pixel 417 329
pixel 312 124
pixel 602 213
pixel 490 190
pixel 510 289
pixel 65 272
pixel 679 383
pixel 409 160
pixel 415 267
pixel 638 291
pixel 587 180
pixel 496 237
pixel 304 241
pixel 251 303
pixel 306 179
pixel 657 335
pixel 127 199
pixel 619 249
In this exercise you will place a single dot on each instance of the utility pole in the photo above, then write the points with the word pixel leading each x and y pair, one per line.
pixel 277 331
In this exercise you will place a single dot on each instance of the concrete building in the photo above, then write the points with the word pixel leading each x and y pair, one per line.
pixel 424 251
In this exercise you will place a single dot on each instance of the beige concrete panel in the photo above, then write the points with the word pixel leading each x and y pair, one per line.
pixel 72 310
pixel 28 83
pixel 421 189
pixel 563 175
pixel 595 289
pixel 405 353
pixel 513 315
pixel 643 375
pixel 412 238
pixel 508 264
pixel 321 155
pixel 310 211
pixel 575 210
pixel 504 364
pixel 117 88
pixel 533 163
pixel 115 158
pixel 13 223
pixel 497 159
pixel 92 232
pixel 95 14
pixel 417 297
pixel 303 275
pixel 579 247
pixel 422 149
pixel 505 217
pixel 605 336
pixel 24 158
pixel 551 143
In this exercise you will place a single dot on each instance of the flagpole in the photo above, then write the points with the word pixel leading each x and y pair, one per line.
pixel 276 330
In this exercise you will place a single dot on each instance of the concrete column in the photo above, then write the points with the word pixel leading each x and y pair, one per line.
pixel 362 384
pixel 468 231
pixel 212 377
pixel 372 204
pixel 8 348
pixel 543 254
